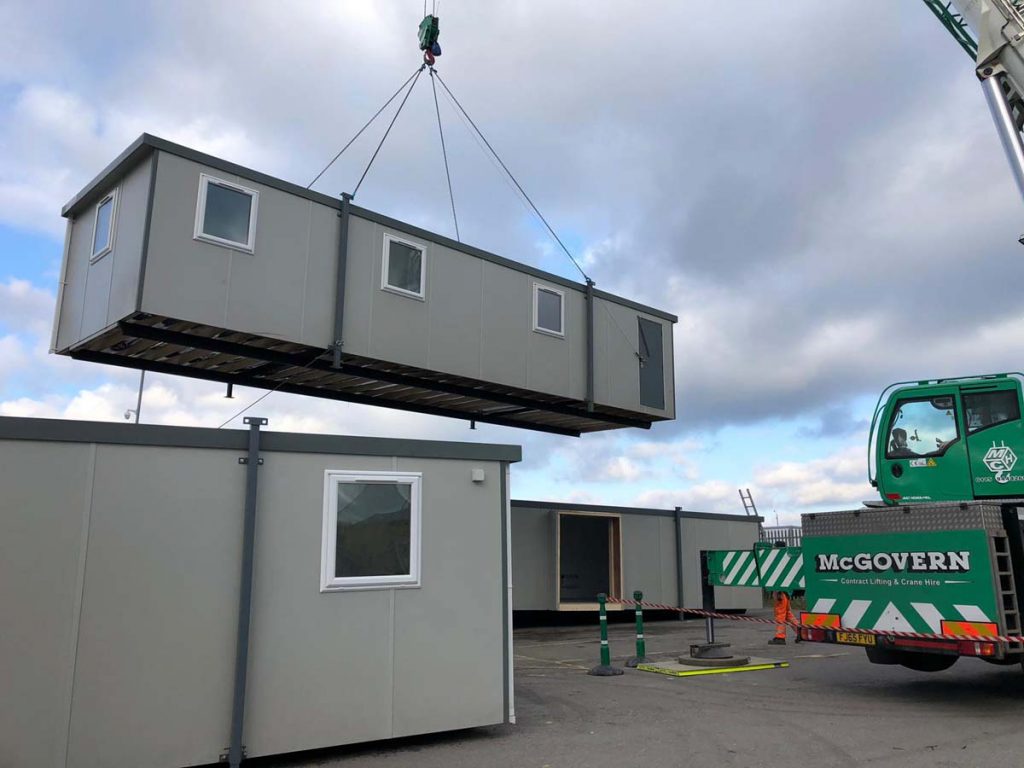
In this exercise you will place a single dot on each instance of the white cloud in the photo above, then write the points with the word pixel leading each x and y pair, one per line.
pixel 13 357
pixel 709 496
pixel 838 481
pixel 25 307
pixel 621 468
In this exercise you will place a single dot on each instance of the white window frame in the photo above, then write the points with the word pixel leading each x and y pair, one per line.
pixel 537 288
pixel 204 182
pixel 331 583
pixel 385 285
pixel 97 255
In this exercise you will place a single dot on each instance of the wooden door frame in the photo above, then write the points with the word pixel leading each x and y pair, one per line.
pixel 615 570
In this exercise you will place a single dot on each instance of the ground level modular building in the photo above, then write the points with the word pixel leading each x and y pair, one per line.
pixel 379 602
pixel 564 554
pixel 183 263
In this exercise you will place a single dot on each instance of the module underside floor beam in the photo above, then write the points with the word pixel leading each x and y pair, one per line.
pixel 167 345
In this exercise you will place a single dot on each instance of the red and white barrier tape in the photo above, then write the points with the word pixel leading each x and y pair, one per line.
pixel 797 625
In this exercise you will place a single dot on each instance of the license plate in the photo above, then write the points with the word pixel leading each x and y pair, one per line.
pixel 854 638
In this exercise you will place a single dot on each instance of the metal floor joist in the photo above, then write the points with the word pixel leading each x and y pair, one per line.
pixel 167 345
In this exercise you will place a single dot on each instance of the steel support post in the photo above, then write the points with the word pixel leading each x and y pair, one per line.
pixel 707 596
pixel 679 561
pixel 605 668
pixel 641 645
pixel 590 344
pixel 339 291
pixel 252 461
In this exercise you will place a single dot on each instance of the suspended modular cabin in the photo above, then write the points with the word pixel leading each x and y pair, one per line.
pixel 378 603
pixel 182 263
pixel 564 554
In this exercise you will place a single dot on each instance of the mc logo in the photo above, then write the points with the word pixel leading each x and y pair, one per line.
pixel 1000 460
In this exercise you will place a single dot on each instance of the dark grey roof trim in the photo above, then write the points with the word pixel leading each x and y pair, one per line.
pixel 67 431
pixel 146 143
pixel 568 507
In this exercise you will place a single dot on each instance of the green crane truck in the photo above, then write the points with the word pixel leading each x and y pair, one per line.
pixel 942 553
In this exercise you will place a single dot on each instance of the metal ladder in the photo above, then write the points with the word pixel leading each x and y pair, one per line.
pixel 1007 592
pixel 748 502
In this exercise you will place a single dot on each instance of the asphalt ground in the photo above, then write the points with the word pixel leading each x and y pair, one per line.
pixel 830 707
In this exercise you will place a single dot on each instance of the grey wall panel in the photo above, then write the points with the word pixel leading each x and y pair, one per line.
pixel 617 379
pixel 69 319
pixel 185 278
pixel 616 373
pixel 503 343
pixel 157 636
pixel 448 635
pixel 455 310
pixel 126 258
pixel 555 364
pixel 266 288
pixel 97 293
pixel 319 277
pixel 363 665
pixel 533 566
pixel 363 284
pixel 328 655
pixel 399 325
pixel 642 564
pixel 667 544
pixel 42 514
pixel 716 534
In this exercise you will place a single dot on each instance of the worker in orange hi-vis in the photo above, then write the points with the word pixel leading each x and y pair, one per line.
pixel 783 614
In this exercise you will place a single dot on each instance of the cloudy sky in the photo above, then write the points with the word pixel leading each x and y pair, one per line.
pixel 815 189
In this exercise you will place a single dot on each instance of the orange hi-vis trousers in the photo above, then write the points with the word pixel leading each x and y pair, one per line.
pixel 782 614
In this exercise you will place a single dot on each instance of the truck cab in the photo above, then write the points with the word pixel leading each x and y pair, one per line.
pixel 948 440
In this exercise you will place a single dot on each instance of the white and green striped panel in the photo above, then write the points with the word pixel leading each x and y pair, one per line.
pixel 774 568
pixel 898 615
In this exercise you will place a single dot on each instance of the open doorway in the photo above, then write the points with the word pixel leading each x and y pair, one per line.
pixel 589 559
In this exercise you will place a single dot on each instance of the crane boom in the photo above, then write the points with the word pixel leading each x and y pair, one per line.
pixel 998 51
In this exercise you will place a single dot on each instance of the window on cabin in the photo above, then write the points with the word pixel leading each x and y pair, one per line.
pixel 371 530
pixel 548 310
pixel 226 213
pixel 403 267
pixel 103 227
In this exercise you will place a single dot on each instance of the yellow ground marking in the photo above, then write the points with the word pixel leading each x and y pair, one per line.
pixel 709 670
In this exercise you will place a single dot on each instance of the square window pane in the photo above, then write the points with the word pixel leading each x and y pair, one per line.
pixel 405 267
pixel 374 529
pixel 227 213
pixel 549 310
pixel 104 214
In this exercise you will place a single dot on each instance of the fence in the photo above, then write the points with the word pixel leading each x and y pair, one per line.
pixel 791 534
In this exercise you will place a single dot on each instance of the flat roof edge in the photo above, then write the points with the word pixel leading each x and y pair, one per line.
pixel 570 507
pixel 147 143
pixel 112 433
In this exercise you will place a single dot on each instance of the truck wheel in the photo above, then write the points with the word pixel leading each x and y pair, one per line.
pixel 927 662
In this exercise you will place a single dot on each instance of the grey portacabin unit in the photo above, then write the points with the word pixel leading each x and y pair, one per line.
pixel 563 554
pixel 182 263
pixel 380 592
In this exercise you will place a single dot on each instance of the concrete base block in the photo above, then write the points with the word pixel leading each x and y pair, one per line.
pixel 602 670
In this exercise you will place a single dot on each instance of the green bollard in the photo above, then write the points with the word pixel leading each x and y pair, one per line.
pixel 641 646
pixel 605 668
